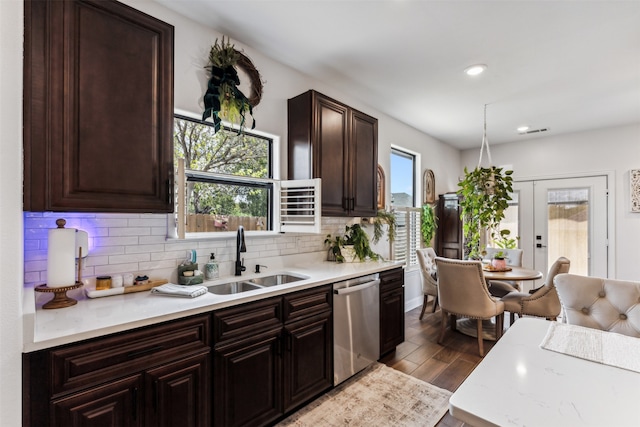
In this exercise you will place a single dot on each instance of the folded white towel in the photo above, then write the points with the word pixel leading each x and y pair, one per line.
pixel 174 290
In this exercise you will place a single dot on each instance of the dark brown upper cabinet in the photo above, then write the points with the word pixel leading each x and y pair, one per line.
pixel 330 140
pixel 98 108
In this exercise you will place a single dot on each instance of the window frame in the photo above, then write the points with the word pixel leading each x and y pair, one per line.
pixel 278 191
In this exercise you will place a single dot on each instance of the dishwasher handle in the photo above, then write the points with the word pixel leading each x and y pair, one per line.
pixel 357 288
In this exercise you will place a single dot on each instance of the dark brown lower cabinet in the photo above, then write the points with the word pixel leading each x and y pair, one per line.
pixel 307 359
pixel 247 381
pixel 391 309
pixel 270 356
pixel 116 404
pixel 154 376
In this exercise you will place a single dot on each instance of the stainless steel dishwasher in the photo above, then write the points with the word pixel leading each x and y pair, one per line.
pixel 356 325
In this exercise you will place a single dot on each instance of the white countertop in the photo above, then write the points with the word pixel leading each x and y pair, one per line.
pixel 96 317
pixel 520 384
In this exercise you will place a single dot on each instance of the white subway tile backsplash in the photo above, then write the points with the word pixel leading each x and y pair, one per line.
pixel 137 243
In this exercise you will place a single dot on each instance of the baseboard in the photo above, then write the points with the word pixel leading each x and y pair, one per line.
pixel 413 303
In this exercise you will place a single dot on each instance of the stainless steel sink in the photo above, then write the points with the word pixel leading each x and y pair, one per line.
pixel 233 288
pixel 276 279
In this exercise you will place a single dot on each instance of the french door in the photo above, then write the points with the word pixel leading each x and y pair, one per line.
pixel 563 217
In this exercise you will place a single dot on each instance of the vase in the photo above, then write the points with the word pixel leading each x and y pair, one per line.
pixel 349 254
pixel 499 263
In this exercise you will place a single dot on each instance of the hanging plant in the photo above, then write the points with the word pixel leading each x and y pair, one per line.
pixel 223 99
pixel 428 224
pixel 384 217
pixel 485 196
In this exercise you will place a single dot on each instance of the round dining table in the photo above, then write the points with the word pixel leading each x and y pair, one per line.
pixel 514 274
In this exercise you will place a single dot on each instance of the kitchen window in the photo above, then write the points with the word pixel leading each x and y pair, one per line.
pixel 403 191
pixel 225 179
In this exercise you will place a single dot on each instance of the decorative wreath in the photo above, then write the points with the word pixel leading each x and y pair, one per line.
pixel 223 98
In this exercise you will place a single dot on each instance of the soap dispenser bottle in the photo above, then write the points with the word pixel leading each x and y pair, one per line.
pixel 211 268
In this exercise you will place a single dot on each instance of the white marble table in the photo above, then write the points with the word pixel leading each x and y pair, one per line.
pixel 520 384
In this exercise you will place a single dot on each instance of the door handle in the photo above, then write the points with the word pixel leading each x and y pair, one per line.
pixel 540 245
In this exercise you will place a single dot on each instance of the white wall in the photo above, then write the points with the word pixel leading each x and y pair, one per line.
pixel 614 150
pixel 11 33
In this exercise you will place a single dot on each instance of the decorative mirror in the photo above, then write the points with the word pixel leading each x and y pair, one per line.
pixel 429 187
pixel 381 191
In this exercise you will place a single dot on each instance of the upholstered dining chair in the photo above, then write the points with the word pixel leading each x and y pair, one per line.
pixel 544 302
pixel 462 292
pixel 500 288
pixel 429 277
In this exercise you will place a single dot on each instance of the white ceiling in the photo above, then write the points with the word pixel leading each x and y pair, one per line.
pixel 563 65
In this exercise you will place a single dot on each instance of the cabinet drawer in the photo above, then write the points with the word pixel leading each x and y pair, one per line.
pixel 391 279
pixel 247 319
pixel 105 359
pixel 307 303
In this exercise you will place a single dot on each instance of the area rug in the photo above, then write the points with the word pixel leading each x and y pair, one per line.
pixel 377 396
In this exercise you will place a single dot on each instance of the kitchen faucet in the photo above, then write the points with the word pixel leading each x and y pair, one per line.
pixel 240 247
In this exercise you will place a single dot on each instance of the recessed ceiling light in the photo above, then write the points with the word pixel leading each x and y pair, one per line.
pixel 523 129
pixel 474 70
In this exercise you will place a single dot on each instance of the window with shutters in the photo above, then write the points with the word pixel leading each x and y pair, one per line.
pixel 225 179
pixel 403 201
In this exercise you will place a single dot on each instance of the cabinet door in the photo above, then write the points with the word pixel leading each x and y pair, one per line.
pixel 307 359
pixel 449 232
pixel 117 404
pixel 177 394
pixel 391 320
pixel 98 108
pixel 363 152
pixel 247 381
pixel 331 155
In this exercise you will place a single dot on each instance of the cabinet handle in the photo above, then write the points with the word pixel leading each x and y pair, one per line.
pixel 169 190
pixel 352 204
pixel 134 395
pixel 133 354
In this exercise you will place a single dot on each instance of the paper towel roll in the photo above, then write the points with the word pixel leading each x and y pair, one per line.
pixel 61 257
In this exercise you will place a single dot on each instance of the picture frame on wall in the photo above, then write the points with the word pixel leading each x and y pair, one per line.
pixel 634 175
pixel 381 188
pixel 428 187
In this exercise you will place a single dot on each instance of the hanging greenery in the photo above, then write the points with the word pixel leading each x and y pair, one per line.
pixel 223 99
pixel 384 217
pixel 428 224
pixel 485 196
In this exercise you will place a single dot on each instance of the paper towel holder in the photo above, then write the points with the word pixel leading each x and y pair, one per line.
pixel 61 299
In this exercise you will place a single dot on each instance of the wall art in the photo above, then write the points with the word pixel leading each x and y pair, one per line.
pixel 381 190
pixel 429 187
pixel 635 190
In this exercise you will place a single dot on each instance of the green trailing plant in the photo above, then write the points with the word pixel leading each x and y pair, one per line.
pixel 485 196
pixel 428 224
pixel 384 217
pixel 354 236
pixel 504 241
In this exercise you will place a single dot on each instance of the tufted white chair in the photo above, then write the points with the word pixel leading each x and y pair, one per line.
pixel 462 292
pixel 543 302
pixel 428 276
pixel 606 304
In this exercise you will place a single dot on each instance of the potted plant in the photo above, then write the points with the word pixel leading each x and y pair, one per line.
pixel 352 247
pixel 485 196
pixel 428 224
pixel 498 262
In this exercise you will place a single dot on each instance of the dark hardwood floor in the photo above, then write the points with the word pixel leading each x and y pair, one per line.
pixel 445 365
